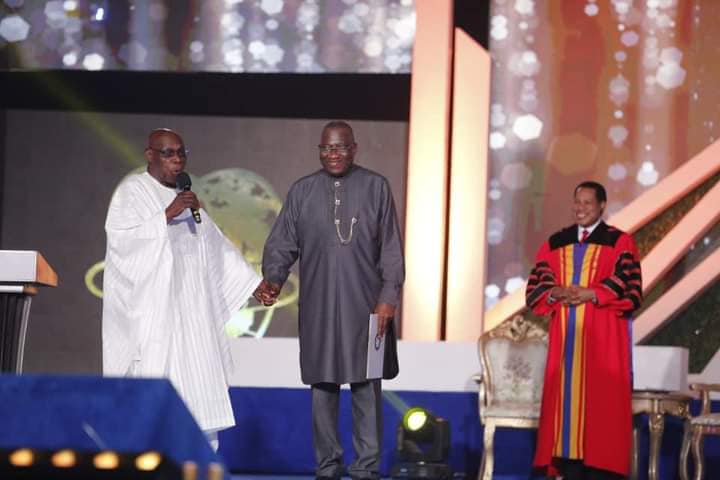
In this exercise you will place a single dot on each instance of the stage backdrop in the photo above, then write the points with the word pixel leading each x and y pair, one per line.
pixel 308 36
pixel 622 92
pixel 61 169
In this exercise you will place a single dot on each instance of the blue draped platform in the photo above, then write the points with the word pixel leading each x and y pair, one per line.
pixel 274 432
pixel 95 413
pixel 274 435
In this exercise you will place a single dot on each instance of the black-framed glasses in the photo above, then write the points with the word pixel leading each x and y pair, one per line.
pixel 336 148
pixel 168 153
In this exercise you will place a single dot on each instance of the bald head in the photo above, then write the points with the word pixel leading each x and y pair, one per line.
pixel 158 133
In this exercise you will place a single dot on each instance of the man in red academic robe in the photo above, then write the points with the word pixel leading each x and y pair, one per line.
pixel 587 279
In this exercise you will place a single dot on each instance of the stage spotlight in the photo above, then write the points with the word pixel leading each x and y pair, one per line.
pixel 148 462
pixel 423 442
pixel 106 460
pixel 66 464
pixel 23 457
pixel 415 419
pixel 64 459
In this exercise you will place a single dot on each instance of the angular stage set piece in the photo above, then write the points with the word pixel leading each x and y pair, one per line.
pixel 79 417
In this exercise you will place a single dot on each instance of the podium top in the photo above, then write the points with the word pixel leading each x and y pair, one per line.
pixel 26 266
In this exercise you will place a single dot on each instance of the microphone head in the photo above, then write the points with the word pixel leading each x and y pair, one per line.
pixel 182 181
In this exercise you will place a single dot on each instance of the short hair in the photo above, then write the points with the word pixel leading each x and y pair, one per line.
pixel 600 193
pixel 340 124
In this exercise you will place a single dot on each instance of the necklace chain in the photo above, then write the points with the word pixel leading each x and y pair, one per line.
pixel 353 220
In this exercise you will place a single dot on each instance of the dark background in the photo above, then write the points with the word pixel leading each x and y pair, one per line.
pixel 67 137
pixel 61 169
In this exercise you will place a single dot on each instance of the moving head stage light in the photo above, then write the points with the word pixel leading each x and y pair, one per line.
pixel 423 441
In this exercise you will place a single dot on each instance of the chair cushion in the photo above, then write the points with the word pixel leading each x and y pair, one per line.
pixel 513 409
pixel 516 370
pixel 707 419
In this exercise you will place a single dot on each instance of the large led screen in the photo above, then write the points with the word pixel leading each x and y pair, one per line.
pixel 300 36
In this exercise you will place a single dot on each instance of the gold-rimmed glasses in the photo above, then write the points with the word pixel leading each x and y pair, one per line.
pixel 341 148
pixel 168 153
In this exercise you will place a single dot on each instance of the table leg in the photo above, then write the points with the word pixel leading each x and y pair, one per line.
pixel 634 456
pixel 656 423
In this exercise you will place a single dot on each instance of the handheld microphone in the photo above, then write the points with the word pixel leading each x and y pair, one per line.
pixel 183 182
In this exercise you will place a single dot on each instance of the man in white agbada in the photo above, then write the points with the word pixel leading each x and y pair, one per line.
pixel 170 284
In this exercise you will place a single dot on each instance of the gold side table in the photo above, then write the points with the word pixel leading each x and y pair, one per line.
pixel 656 405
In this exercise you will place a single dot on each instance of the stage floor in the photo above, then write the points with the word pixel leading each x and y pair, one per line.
pixel 305 477
pixel 271 477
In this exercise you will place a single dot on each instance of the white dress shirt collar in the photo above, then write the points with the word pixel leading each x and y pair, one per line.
pixel 589 229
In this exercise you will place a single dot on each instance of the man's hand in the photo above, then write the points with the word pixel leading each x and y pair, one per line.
pixel 385 313
pixel 267 293
pixel 183 200
pixel 560 293
pixel 579 295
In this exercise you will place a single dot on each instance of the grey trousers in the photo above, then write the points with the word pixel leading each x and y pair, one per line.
pixel 367 429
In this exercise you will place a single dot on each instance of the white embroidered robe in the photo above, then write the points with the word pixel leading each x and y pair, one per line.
pixel 168 291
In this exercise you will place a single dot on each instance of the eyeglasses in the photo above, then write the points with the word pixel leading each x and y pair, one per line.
pixel 339 148
pixel 168 153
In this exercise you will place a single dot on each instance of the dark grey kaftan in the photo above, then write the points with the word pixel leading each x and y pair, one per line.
pixel 339 284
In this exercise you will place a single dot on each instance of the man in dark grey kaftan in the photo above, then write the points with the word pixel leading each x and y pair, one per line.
pixel 341 223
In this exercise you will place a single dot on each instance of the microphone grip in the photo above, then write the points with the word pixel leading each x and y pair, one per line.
pixel 196 215
pixel 195 212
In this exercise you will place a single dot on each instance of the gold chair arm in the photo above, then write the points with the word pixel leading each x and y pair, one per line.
pixel 482 397
pixel 705 389
pixel 712 387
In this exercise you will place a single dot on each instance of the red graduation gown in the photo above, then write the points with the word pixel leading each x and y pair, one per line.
pixel 586 404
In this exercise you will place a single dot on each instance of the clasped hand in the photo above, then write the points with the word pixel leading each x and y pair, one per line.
pixel 267 293
pixel 573 295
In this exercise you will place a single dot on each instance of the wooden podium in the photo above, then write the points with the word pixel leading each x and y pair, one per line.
pixel 21 272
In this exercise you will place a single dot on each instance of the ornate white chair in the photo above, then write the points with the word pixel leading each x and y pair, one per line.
pixel 512 357
pixel 706 423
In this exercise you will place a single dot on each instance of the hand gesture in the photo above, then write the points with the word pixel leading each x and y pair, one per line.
pixel 385 313
pixel 579 295
pixel 267 293
pixel 560 293
pixel 183 200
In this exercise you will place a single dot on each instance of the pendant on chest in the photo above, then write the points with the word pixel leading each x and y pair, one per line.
pixel 337 205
